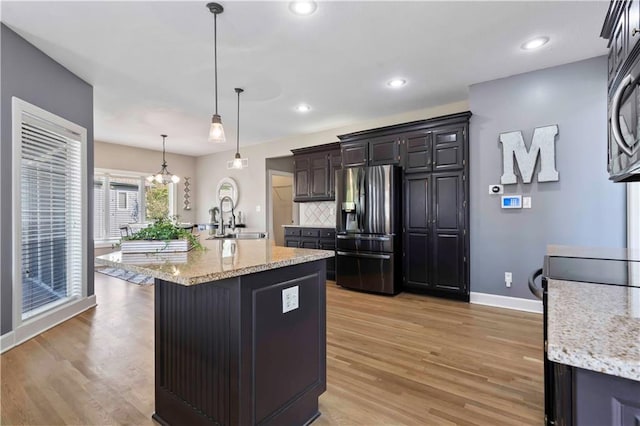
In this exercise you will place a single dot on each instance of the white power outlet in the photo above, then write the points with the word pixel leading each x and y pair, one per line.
pixel 508 278
pixel 526 202
pixel 258 209
pixel 289 299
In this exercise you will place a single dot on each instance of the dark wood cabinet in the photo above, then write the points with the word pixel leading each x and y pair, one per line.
pixel 433 155
pixel 355 154
pixel 313 238
pixel 622 30
pixel 319 175
pixel 448 148
pixel 335 163
pixel 301 177
pixel 384 150
pixel 434 246
pixel 417 151
pixel 314 168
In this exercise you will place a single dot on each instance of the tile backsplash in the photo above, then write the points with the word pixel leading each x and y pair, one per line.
pixel 318 213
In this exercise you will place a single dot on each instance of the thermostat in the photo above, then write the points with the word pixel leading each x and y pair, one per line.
pixel 512 201
pixel 496 189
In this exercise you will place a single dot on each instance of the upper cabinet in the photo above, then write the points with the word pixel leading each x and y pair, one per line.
pixel 355 154
pixel 421 146
pixel 622 29
pixel 314 172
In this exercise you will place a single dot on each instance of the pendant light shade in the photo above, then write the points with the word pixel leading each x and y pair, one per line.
pixel 238 162
pixel 164 176
pixel 216 131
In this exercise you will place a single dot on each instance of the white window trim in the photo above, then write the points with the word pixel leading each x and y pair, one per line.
pixel 45 319
pixel 633 216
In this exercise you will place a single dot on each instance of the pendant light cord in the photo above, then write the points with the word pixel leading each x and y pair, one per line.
pixel 238 125
pixel 215 56
pixel 164 162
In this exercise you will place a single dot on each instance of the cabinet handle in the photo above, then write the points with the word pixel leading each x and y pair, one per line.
pixel 615 117
pixel 634 32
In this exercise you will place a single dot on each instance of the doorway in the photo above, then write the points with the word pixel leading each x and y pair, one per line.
pixel 283 211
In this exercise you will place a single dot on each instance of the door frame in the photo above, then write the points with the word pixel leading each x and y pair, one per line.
pixel 269 210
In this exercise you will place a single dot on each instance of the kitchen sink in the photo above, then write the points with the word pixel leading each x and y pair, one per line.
pixel 240 236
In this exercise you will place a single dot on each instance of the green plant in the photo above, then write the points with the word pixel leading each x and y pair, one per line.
pixel 164 229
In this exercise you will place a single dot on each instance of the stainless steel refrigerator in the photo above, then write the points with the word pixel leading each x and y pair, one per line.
pixel 368 228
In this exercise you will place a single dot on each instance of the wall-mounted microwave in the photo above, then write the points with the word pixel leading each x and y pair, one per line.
pixel 624 128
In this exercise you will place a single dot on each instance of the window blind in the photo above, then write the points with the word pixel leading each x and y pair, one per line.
pixel 51 215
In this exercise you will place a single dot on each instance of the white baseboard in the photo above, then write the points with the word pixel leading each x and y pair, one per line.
pixel 35 326
pixel 7 341
pixel 517 303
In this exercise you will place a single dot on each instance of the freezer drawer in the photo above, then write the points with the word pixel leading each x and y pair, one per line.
pixel 372 272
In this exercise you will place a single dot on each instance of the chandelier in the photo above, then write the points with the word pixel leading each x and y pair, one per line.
pixel 164 176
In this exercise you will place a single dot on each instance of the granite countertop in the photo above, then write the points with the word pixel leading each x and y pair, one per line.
pixel 309 226
pixel 615 253
pixel 221 259
pixel 595 327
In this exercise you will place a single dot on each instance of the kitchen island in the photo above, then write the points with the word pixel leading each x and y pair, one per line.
pixel 592 336
pixel 240 332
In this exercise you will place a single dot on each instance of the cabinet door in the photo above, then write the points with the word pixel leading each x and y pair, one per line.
pixel 384 150
pixel 448 234
pixel 292 242
pixel 355 154
pixel 618 43
pixel 319 175
pixel 335 163
pixel 417 203
pixel 309 243
pixel 633 24
pixel 448 148
pixel 301 177
pixel 417 244
pixel 417 152
pixel 416 259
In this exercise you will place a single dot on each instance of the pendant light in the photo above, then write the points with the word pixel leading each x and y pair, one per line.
pixel 216 131
pixel 238 161
pixel 164 176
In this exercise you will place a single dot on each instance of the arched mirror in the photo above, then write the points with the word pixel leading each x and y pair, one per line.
pixel 227 187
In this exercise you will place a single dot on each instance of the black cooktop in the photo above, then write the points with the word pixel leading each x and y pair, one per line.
pixel 622 272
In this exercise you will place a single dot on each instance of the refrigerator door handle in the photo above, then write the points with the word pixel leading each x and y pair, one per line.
pixel 364 255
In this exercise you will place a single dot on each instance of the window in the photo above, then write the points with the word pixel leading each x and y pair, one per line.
pixel 122 198
pixel 49 220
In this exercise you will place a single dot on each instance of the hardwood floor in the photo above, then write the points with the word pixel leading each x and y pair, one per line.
pixel 406 360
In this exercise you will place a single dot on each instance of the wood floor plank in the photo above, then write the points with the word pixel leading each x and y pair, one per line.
pixel 404 360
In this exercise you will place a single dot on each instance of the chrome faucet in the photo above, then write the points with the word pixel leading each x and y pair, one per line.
pixel 221 221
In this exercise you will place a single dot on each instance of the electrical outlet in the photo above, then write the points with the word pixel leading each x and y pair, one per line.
pixel 508 278
pixel 258 209
pixel 289 299
pixel 526 202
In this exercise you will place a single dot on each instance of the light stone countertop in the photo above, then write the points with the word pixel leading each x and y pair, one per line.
pixel 595 327
pixel 310 226
pixel 221 259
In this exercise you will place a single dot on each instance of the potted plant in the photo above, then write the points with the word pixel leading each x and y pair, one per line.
pixel 162 236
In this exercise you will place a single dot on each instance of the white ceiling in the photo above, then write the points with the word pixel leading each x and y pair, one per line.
pixel 151 63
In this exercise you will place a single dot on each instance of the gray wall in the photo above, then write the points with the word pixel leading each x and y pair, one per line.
pixel 584 208
pixel 29 74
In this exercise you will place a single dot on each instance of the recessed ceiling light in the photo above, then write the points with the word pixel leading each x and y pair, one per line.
pixel 396 82
pixel 303 108
pixel 303 8
pixel 535 43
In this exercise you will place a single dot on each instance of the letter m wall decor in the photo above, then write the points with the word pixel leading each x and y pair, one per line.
pixel 543 144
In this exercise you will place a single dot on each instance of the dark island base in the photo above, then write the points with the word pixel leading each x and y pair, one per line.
pixel 226 354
